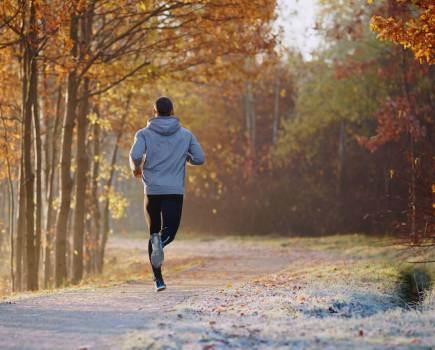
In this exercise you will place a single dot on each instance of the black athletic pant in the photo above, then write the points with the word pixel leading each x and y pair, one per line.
pixel 163 214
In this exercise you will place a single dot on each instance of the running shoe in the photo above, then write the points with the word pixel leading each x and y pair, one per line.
pixel 160 284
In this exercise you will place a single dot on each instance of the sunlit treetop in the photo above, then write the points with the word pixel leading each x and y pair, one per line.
pixel 410 23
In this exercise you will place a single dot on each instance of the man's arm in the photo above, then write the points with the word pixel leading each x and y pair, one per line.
pixel 196 154
pixel 137 152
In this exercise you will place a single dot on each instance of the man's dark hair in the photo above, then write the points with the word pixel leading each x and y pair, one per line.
pixel 164 106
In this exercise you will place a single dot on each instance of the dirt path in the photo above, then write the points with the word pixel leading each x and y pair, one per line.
pixel 320 293
pixel 101 318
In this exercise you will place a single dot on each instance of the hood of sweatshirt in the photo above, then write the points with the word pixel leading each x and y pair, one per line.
pixel 164 125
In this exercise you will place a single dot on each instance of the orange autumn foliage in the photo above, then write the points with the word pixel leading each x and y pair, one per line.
pixel 410 23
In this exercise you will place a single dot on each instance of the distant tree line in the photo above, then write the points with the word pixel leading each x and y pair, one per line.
pixel 341 143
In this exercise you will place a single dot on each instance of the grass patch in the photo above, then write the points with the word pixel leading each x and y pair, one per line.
pixel 414 284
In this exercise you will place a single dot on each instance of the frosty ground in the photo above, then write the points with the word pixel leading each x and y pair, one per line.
pixel 232 293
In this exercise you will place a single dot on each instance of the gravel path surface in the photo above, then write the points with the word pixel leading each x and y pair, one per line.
pixel 100 318
pixel 232 294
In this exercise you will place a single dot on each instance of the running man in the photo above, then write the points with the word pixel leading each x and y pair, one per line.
pixel 159 155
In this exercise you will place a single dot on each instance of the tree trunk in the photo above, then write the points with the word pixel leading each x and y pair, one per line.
pixel 65 173
pixel 253 140
pixel 251 129
pixel 81 184
pixel 253 118
pixel 11 207
pixel 38 162
pixel 412 192
pixel 412 202
pixel 21 223
pixel 108 186
pixel 86 22
pixel 247 111
pixel 50 187
pixel 276 112
pixel 341 159
pixel 31 70
pixel 29 179
pixel 94 236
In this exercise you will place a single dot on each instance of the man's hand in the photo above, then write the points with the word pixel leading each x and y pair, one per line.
pixel 137 173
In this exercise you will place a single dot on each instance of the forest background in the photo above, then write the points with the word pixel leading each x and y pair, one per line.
pixel 340 141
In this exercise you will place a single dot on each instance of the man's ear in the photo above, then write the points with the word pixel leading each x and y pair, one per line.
pixel 155 111
pixel 172 111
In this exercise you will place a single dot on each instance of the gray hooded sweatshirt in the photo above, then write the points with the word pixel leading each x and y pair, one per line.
pixel 166 147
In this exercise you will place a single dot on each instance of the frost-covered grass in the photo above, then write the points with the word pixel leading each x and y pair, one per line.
pixel 340 293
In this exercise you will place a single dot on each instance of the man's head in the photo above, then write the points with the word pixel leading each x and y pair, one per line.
pixel 163 106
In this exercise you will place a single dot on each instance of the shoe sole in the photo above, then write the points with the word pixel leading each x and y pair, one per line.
pixel 160 289
pixel 157 256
